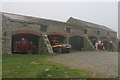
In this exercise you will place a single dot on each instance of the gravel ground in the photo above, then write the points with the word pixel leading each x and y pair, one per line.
pixel 105 63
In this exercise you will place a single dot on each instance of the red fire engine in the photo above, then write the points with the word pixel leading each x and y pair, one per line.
pixel 22 46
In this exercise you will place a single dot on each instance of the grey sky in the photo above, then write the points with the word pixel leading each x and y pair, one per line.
pixel 103 13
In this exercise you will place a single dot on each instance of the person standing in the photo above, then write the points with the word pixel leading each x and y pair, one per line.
pixel 101 46
pixel 110 46
pixel 96 46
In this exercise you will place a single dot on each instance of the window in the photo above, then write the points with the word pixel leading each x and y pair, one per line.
pixel 98 32
pixel 85 31
pixel 43 28
pixel 68 30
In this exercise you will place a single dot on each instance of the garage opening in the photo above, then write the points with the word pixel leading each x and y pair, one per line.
pixel 25 43
pixel 93 39
pixel 76 42
pixel 59 38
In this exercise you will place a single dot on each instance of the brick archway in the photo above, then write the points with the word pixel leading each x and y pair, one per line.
pixel 80 35
pixel 26 32
pixel 22 39
pixel 57 33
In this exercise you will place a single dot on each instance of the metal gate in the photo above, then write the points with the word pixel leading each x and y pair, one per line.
pixel 76 42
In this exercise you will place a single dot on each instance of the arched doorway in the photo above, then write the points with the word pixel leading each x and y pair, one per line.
pixel 57 37
pixel 105 41
pixel 76 42
pixel 93 39
pixel 25 43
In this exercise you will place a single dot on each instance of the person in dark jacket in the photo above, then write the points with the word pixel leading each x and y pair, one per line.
pixel 110 46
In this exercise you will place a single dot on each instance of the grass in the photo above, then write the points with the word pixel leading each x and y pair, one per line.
pixel 37 66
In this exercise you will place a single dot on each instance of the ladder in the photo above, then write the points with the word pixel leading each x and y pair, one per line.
pixel 87 38
pixel 47 42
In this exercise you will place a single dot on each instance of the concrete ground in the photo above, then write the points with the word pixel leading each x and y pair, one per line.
pixel 102 62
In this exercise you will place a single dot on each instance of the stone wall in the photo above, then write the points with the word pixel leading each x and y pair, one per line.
pixel 32 26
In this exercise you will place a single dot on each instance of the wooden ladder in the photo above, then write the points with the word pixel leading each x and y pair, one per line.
pixel 87 38
pixel 47 42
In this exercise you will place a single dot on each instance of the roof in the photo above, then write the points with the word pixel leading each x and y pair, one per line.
pixel 76 23
pixel 31 19
pixel 41 21
pixel 79 22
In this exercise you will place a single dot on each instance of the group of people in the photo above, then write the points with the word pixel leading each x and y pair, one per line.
pixel 101 46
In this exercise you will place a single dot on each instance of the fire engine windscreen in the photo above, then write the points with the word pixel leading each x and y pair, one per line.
pixel 58 38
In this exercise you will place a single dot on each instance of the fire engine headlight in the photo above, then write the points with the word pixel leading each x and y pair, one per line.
pixel 68 46
pixel 64 45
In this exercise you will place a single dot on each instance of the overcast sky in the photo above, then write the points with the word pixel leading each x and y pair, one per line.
pixel 103 13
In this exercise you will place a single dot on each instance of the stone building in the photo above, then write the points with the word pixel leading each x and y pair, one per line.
pixel 80 34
